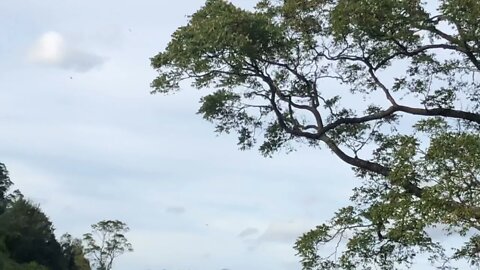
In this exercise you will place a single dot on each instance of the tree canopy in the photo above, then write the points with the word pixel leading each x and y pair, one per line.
pixel 106 242
pixel 5 184
pixel 28 242
pixel 389 86
pixel 29 235
pixel 73 252
pixel 27 239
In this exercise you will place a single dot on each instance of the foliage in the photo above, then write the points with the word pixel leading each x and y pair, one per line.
pixel 27 239
pixel 5 184
pixel 389 86
pixel 106 242
pixel 73 251
pixel 29 235
pixel 8 264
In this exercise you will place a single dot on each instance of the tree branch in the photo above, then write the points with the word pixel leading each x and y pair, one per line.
pixel 457 114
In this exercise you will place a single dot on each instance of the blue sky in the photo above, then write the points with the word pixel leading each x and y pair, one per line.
pixel 83 136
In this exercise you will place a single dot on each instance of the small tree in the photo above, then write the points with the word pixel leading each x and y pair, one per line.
pixel 5 184
pixel 73 252
pixel 106 242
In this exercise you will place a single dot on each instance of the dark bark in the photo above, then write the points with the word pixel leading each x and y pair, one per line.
pixel 451 113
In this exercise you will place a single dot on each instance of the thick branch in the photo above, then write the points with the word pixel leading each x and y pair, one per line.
pixel 355 161
pixel 405 52
pixel 457 114
pixel 462 46
pixel 309 83
pixel 410 187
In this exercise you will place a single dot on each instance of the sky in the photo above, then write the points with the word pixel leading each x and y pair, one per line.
pixel 82 136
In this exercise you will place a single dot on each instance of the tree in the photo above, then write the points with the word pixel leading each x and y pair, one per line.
pixel 27 239
pixel 5 184
pixel 391 87
pixel 28 236
pixel 73 252
pixel 110 243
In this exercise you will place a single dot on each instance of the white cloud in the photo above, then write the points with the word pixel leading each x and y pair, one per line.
pixel 51 49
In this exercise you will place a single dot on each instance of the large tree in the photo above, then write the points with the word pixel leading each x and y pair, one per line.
pixel 389 86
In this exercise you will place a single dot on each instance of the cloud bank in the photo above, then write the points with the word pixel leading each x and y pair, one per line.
pixel 51 49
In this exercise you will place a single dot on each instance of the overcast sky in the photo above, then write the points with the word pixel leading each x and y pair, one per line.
pixel 82 135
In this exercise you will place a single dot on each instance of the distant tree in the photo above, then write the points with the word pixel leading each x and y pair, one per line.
pixel 390 87
pixel 28 235
pixel 106 242
pixel 8 228
pixel 27 240
pixel 5 184
pixel 73 252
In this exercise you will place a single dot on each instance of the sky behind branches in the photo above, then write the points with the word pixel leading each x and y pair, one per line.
pixel 83 137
